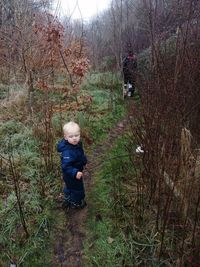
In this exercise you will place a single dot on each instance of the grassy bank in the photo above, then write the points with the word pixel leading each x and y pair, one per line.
pixel 119 232
pixel 30 166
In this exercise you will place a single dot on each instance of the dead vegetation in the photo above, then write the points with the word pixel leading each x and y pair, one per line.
pixel 166 124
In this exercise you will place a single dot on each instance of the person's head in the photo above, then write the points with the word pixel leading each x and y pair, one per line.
pixel 71 132
pixel 130 53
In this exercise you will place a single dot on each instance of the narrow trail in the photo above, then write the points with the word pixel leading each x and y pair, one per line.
pixel 69 234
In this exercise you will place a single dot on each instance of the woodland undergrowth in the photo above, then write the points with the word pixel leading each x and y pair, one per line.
pixel 30 166
pixel 121 230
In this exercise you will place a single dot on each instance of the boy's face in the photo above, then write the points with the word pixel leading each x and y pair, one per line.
pixel 72 136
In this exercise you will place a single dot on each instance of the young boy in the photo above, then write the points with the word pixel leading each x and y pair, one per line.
pixel 73 161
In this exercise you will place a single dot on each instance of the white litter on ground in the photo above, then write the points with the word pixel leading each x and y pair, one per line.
pixel 139 149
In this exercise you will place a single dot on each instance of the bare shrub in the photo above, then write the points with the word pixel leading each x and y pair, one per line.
pixel 165 125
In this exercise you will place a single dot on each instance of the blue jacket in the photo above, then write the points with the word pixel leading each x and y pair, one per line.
pixel 73 160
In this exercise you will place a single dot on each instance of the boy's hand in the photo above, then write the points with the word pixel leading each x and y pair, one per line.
pixel 79 175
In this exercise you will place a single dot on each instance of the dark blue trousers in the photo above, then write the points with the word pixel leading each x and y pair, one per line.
pixel 73 196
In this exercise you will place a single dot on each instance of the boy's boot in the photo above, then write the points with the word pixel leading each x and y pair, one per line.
pixel 75 205
pixel 83 203
pixel 66 202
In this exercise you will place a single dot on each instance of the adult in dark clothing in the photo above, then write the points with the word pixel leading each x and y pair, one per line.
pixel 129 71
pixel 73 161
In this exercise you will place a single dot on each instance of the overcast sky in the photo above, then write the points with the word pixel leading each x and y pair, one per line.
pixel 88 8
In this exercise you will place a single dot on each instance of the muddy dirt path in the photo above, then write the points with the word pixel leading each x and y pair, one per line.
pixel 69 233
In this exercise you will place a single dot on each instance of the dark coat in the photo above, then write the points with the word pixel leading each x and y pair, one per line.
pixel 129 68
pixel 73 160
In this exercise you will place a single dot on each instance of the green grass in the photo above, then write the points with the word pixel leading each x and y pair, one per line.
pixel 106 245
pixel 102 114
pixel 113 238
pixel 118 234
pixel 104 80
pixel 24 139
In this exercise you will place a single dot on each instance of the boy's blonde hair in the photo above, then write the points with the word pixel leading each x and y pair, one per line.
pixel 71 126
